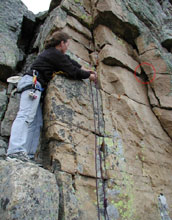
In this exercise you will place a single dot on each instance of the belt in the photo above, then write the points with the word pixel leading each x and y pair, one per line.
pixel 31 87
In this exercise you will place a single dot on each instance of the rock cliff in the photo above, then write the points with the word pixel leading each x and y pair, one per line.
pixel 128 114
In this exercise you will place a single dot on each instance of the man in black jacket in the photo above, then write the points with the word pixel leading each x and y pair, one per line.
pixel 25 131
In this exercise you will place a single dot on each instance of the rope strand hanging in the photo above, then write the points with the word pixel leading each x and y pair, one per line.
pixel 97 195
pixel 98 149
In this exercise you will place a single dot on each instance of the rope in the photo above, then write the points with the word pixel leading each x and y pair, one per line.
pixel 101 170
pixel 97 194
pixel 103 150
pixel 100 156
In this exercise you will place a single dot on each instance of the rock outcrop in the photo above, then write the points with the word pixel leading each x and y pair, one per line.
pixel 14 37
pixel 131 119
pixel 27 192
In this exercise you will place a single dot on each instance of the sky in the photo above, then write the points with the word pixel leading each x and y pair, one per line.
pixel 37 5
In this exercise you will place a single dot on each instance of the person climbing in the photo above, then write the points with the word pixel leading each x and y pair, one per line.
pixel 25 131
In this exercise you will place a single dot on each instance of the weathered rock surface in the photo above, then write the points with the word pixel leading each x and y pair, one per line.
pixel 3 100
pixel 114 14
pixel 111 56
pixel 165 118
pixel 103 35
pixel 117 80
pixel 68 206
pixel 10 114
pixel 13 15
pixel 27 192
pixel 3 148
pixel 80 9
pixel 57 19
pixel 71 123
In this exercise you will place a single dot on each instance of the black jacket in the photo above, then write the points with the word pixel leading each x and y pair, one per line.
pixel 52 60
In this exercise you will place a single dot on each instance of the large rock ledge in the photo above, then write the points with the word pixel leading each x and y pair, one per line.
pixel 27 192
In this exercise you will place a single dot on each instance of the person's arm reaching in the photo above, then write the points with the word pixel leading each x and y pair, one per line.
pixel 93 74
pixel 63 62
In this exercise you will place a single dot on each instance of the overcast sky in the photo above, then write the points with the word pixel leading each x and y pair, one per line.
pixel 37 5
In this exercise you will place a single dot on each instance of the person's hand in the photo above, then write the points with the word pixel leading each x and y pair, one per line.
pixel 93 72
pixel 93 76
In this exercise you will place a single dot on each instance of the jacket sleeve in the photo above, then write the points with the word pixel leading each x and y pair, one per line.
pixel 71 67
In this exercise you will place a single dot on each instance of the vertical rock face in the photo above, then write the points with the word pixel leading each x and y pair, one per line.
pixel 134 125
pixel 131 122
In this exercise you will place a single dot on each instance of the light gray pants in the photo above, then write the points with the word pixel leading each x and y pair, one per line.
pixel 25 131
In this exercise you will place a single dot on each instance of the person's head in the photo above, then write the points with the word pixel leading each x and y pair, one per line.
pixel 59 40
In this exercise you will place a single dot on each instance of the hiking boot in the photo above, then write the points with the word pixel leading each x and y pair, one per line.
pixel 18 156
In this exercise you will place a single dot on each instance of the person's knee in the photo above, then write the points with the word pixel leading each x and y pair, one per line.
pixel 22 115
pixel 26 117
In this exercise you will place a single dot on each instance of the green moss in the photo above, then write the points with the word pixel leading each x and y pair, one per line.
pixel 119 204
pixel 109 142
pixel 77 1
pixel 83 17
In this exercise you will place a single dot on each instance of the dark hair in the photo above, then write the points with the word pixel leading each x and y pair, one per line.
pixel 55 39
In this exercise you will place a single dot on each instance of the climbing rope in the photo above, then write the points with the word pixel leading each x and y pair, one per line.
pixel 97 194
pixel 99 149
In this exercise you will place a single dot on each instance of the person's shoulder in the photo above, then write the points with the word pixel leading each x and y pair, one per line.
pixel 52 51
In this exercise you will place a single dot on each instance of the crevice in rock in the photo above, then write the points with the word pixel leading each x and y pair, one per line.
pixel 61 196
pixel 111 61
pixel 168 45
pixel 151 107
pixel 26 35
pixel 92 177
pixel 127 97
pixel 165 74
pixel 89 50
pixel 5 110
pixel 161 107
pixel 73 182
pixel 153 90
pixel 143 75
pixel 38 23
pixel 78 31
pixel 96 3
pixel 147 51
pixel 136 101
pixel 70 124
pixel 97 134
pixel 160 2
pixel 6 71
